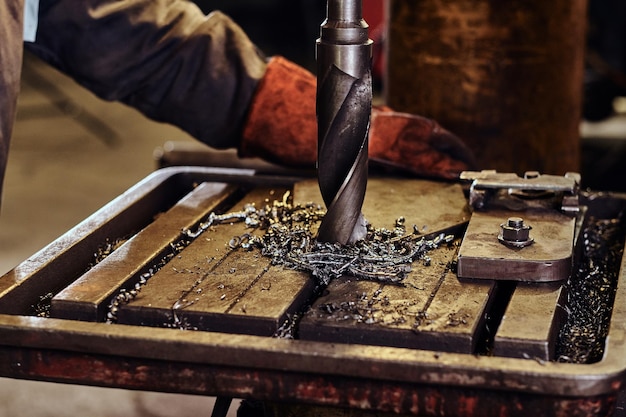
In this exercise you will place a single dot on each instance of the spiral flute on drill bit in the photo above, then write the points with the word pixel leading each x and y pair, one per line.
pixel 344 103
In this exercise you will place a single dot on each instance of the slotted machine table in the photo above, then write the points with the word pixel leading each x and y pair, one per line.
pixel 435 345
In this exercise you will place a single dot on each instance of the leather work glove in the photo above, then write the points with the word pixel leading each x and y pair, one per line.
pixel 282 127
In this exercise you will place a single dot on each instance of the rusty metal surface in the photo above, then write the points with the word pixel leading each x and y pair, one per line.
pixel 346 395
pixel 211 286
pixel 327 361
pixel 432 310
pixel 365 375
pixel 87 297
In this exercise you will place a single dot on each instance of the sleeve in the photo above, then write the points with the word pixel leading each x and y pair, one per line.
pixel 163 57
pixel 11 14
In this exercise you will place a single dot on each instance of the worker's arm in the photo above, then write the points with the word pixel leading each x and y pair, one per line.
pixel 10 69
pixel 163 57
pixel 203 74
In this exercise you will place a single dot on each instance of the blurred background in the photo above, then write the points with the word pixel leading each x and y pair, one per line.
pixel 72 153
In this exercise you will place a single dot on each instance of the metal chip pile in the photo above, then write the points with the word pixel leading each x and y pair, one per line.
pixel 288 238
pixel 590 293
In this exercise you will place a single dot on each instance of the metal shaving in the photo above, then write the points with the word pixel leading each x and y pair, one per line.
pixel 368 308
pixel 107 249
pixel 42 308
pixel 124 295
pixel 289 240
pixel 590 293
pixel 289 328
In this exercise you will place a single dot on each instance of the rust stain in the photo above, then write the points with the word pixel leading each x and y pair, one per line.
pixel 432 403
pixel 468 405
pixel 359 398
pixel 392 399
pixel 320 389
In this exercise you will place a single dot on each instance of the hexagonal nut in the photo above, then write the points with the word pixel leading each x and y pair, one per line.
pixel 515 233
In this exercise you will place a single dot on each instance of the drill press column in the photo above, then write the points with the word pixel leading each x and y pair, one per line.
pixel 344 103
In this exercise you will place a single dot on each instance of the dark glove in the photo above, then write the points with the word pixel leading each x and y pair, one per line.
pixel 282 127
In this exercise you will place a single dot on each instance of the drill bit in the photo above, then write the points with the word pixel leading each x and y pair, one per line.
pixel 344 104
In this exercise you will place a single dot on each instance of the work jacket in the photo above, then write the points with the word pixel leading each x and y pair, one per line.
pixel 163 57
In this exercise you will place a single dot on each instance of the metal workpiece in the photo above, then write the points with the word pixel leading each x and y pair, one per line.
pixel 547 204
pixel 344 103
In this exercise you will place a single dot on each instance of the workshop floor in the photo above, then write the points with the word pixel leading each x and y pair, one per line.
pixel 71 153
